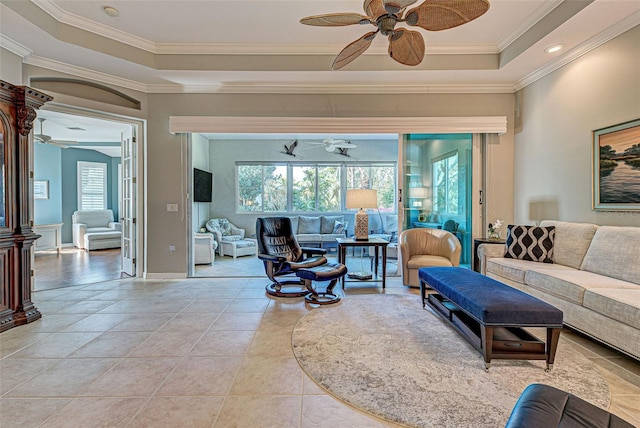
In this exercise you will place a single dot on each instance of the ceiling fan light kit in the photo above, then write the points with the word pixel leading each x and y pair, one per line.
pixel 405 46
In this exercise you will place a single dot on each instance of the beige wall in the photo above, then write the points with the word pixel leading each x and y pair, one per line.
pixel 10 67
pixel 165 154
pixel 163 157
pixel 553 148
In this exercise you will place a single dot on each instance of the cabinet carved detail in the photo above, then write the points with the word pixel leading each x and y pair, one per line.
pixel 18 105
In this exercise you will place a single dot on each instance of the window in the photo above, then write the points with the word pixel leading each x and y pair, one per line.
pixel 381 177
pixel 445 184
pixel 304 188
pixel 262 188
pixel 92 186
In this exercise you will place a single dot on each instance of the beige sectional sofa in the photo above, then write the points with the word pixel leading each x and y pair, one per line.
pixel 594 279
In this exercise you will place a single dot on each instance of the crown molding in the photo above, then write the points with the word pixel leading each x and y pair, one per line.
pixel 344 89
pixel 298 49
pixel 337 125
pixel 15 47
pixel 580 50
pixel 85 73
pixel 543 11
pixel 266 88
pixel 93 26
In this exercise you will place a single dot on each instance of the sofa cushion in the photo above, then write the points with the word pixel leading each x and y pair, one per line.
pixel 99 229
pixel 621 304
pixel 308 224
pixel 96 218
pixel 422 260
pixel 327 223
pixel 571 284
pixel 571 241
pixel 309 237
pixel 515 269
pixel 530 243
pixel 614 252
pixel 331 237
pixel 294 223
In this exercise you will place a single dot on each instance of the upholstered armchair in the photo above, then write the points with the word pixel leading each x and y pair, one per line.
pixel 424 247
pixel 224 231
pixel 94 230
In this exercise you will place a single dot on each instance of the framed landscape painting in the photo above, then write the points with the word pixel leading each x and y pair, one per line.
pixel 616 167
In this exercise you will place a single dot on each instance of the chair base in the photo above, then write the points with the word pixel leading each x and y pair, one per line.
pixel 326 297
pixel 321 298
pixel 276 289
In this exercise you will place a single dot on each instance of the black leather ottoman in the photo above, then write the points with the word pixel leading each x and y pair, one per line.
pixel 545 406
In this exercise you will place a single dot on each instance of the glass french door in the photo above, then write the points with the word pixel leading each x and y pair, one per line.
pixel 127 199
pixel 437 185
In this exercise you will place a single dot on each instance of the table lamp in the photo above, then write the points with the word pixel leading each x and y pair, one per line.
pixel 361 198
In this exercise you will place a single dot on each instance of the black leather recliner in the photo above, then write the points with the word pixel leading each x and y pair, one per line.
pixel 545 406
pixel 282 256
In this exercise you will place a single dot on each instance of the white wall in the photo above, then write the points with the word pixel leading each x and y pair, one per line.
pixel 553 163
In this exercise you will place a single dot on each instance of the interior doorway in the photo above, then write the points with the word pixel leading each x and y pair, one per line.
pixel 68 137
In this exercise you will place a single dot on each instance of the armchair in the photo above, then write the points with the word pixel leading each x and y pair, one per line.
pixel 230 239
pixel 425 247
pixel 94 230
pixel 281 254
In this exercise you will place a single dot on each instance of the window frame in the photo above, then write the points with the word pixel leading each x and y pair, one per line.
pixel 343 168
pixel 434 161
pixel 81 166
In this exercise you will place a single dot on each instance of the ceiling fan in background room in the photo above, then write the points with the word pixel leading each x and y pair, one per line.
pixel 332 145
pixel 42 138
pixel 405 46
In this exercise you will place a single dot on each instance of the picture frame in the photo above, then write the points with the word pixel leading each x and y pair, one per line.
pixel 40 189
pixel 616 167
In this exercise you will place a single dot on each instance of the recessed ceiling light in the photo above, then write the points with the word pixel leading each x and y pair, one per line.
pixel 111 11
pixel 554 48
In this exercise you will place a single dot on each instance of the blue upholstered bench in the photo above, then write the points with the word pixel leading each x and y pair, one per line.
pixel 491 315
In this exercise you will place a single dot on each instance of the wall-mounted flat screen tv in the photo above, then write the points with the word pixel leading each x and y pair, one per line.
pixel 202 185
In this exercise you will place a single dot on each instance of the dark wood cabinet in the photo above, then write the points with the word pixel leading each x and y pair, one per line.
pixel 18 105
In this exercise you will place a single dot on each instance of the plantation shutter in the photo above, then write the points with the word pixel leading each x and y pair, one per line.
pixel 92 186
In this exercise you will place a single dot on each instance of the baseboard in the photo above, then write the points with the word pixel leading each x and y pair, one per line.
pixel 166 275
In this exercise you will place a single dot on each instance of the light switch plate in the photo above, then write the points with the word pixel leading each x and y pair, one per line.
pixel 172 208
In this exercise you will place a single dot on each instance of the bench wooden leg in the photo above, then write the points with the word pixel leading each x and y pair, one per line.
pixel 422 292
pixel 486 338
pixel 553 335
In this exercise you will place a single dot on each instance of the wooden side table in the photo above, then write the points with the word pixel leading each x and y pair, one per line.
pixel 476 244
pixel 377 243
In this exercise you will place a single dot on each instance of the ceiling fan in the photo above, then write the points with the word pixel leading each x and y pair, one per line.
pixel 46 139
pixel 405 46
pixel 332 145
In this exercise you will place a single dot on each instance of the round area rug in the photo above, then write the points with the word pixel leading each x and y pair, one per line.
pixel 386 355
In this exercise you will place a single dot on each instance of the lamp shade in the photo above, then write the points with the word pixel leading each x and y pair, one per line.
pixel 362 198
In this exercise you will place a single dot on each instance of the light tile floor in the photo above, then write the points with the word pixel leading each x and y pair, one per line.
pixel 191 353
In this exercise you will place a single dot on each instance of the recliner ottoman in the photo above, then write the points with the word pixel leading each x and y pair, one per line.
pixel 102 240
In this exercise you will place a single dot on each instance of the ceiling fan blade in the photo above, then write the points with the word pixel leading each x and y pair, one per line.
pixel 335 19
pixel 436 15
pixel 58 144
pixel 353 50
pixel 56 141
pixel 374 8
pixel 395 6
pixel 406 47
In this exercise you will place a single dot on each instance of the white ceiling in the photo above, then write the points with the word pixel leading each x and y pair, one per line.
pixel 258 46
